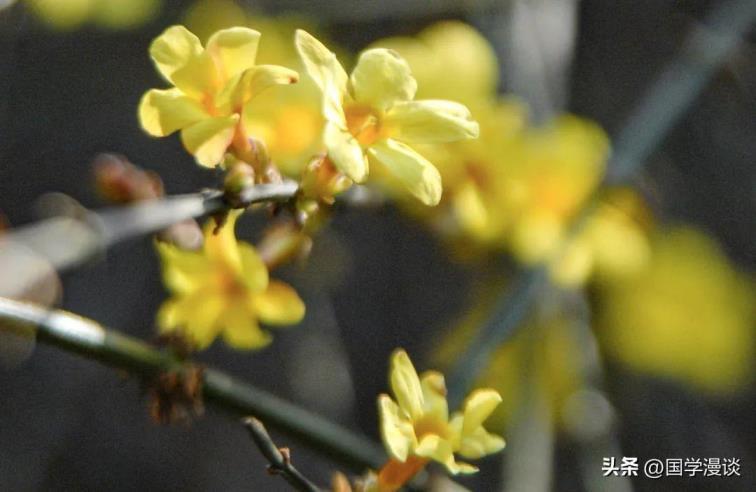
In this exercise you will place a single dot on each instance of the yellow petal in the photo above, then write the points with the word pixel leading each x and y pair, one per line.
pixel 405 384
pixel 162 112
pixel 221 246
pixel 345 152
pixel 414 171
pixel 183 271
pixel 431 121
pixel 321 63
pixel 434 394
pixel 279 305
pixel 169 316
pixel 470 209
pixel 209 139
pixel 234 49
pixel 480 443
pixel 478 406
pixel 247 85
pixel 173 49
pixel 329 76
pixel 240 329
pixel 203 314
pixel 382 78
pixel 396 432
pixel 253 270
pixel 574 264
pixel 198 77
pixel 434 447
pixel 196 315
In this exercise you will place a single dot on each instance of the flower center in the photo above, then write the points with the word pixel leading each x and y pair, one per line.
pixel 431 425
pixel 363 123
pixel 231 286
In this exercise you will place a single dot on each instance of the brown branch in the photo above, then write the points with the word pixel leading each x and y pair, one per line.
pixel 279 458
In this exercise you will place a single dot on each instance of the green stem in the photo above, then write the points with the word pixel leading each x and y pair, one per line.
pixel 89 339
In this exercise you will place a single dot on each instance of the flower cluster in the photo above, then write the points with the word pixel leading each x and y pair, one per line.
pixel 518 186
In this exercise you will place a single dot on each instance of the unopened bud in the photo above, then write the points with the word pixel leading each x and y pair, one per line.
pixel 240 177
pixel 120 181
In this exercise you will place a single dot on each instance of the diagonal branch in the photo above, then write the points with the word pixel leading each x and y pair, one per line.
pixel 279 458
pixel 676 88
pixel 88 338
pixel 89 237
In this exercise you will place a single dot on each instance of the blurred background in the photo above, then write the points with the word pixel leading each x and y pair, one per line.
pixel 640 345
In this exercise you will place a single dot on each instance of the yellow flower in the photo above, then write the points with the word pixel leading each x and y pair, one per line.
pixel 114 14
pixel 371 113
pixel 416 427
pixel 555 169
pixel 476 174
pixel 213 89
pixel 224 289
pixel 612 243
pixel 546 350
pixel 688 315
pixel 288 118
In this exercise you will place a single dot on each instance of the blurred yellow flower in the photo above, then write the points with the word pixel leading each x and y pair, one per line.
pixel 688 315
pixel 113 14
pixel 478 187
pixel 449 44
pixel 213 88
pixel 205 17
pixel 223 289
pixel 545 348
pixel 612 243
pixel 372 112
pixel 555 170
pixel 416 426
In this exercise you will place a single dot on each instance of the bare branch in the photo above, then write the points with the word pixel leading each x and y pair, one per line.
pixel 90 339
pixel 279 458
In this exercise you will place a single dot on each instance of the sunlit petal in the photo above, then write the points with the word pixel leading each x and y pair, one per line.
pixel 382 78
pixel 162 112
pixel 173 49
pixel 234 49
pixel 405 384
pixel 417 174
pixel 397 433
pixel 209 139
pixel 431 121
pixel 345 152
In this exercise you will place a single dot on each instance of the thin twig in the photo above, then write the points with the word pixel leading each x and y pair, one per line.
pixel 90 339
pixel 279 458
pixel 704 50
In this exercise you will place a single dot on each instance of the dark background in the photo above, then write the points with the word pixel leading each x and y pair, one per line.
pixel 376 280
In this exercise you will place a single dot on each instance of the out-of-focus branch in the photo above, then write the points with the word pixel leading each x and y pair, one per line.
pixel 88 338
pixel 65 242
pixel 703 52
pixel 279 458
